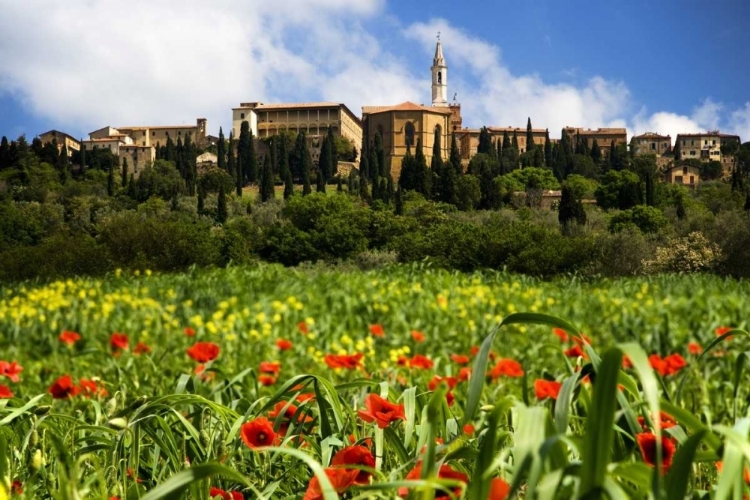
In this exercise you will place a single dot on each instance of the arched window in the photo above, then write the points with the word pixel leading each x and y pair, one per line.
pixel 439 134
pixel 440 77
pixel 409 133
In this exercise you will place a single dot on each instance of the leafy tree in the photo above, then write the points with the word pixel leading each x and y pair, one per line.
pixel 619 189
pixel 468 192
pixel 711 170
pixel 162 180
pixel 534 178
pixel 647 219
pixel 111 178
pixel 267 191
pixel 571 208
pixel 221 210
pixel 221 151
pixel 581 186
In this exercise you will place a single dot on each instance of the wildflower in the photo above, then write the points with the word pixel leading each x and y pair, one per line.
pixel 10 370
pixel 694 348
pixel 118 342
pixel 304 397
pixel 745 476
pixel 435 381
pixel 420 361
pixel 507 367
pixel 258 433
pixel 266 380
pixel 575 352
pixel 626 363
pixel 302 327
pixel 580 338
pixel 675 363
pixel 287 416
pixel 647 444
pixel 546 389
pixel 499 489
pixel 189 332
pixel 561 334
pixel 417 336
pixel 665 420
pixel 133 476
pixel 89 388
pixel 225 495
pixel 69 338
pixel 721 330
pixel 63 388
pixel 445 472
pixel 16 487
pixel 474 350
pixel 141 348
pixel 283 345
pixel 341 479
pixel 5 392
pixel 348 361
pixel 357 456
pixel 203 352
pixel 464 374
pixel 272 367
pixel 380 411
pixel 377 330
pixel 461 359
pixel 469 429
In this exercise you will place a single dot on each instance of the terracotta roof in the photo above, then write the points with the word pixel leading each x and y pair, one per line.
pixel 404 106
pixel 305 105
pixel 518 129
pixel 105 139
pixel 135 146
pixel 57 132
pixel 147 127
pixel 714 133
pixel 652 135
pixel 601 131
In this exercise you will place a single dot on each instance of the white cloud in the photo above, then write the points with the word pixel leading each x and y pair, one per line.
pixel 84 64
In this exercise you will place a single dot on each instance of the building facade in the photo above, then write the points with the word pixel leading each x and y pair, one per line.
pixel 651 143
pixel 603 137
pixel 314 119
pixel 686 175
pixel 468 139
pixel 707 147
pixel 62 139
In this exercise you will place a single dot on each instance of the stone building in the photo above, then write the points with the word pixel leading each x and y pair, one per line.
pixel 707 147
pixel 468 139
pixel 651 143
pixel 603 137
pixel 313 118
pixel 62 139
pixel 686 175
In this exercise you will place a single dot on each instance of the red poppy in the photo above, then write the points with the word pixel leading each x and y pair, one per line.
pixel 381 411
pixel 272 367
pixel 68 337
pixel 341 479
pixel 647 444
pixel 355 456
pixel 258 433
pixel 89 388
pixel 579 339
pixel 474 350
pixel 461 359
pixel 225 495
pixel 435 381
pixel 203 352
pixel 288 416
pixel 695 348
pixel 348 361
pixel 445 472
pixel 546 389
pixel 561 334
pixel 63 388
pixel 420 361
pixel 133 476
pixel 745 476
pixel 189 332
pixel 266 380
pixel 507 367
pixel 449 398
pixel 499 489
pixel 658 364
pixel 302 327
pixel 665 420
pixel 675 363
pixel 204 375
pixel 418 336
pixel 118 342
pixel 469 429
pixel 464 374
pixel 283 345
pixel 10 370
pixel 304 397
pixel 626 363
pixel 377 330
pixel 5 392
pixel 141 348
pixel 575 352
pixel 402 361
pixel 16 487
pixel 721 330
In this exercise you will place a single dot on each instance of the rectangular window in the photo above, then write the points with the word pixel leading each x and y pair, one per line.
pixel 153 134
pixel 684 170
pixel 692 153
pixel 692 179
pixel 678 179
pixel 143 143
pixel 242 116
pixel 179 132
pixel 653 146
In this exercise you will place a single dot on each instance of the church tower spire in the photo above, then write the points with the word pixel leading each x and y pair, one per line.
pixel 439 77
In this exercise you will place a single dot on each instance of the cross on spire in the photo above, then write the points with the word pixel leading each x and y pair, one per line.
pixel 438 36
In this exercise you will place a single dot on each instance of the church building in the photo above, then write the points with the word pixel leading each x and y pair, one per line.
pixel 403 125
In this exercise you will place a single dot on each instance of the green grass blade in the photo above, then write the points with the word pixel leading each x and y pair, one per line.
pixel 173 487
pixel 678 477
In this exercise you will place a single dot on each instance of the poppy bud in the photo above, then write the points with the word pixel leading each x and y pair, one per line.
pixel 138 402
pixel 42 410
pixel 37 460
pixel 118 423
pixel 111 406
pixel 34 438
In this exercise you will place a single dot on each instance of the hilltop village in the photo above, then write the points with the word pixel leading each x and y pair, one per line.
pixel 401 128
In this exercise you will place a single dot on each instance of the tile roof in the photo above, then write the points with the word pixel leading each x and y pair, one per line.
pixel 652 135
pixel 300 105
pixel 405 106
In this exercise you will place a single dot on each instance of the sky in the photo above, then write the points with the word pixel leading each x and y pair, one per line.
pixel 672 66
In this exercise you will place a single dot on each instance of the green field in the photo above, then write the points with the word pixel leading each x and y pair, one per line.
pixel 149 419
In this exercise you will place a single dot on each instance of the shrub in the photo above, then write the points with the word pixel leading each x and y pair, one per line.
pixel 468 193
pixel 647 219
pixel 689 254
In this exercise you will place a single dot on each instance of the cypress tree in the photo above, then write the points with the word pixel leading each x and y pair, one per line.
pixel 288 184
pixel 124 181
pixel 201 201
pixel 547 150
pixel 506 141
pixel 158 152
pixel 362 187
pixel 339 185
pixel 334 169
pixel 350 183
pixel 111 178
pixel 306 167
pixel 407 179
pixel 325 160
pixel 374 163
pixel 485 141
pixel 383 190
pixel 680 205
pixel 83 157
pixel 514 144
pixel 320 185
pixel 231 161
pixel 399 201
pixel 243 151
pixel 613 163
pixel 221 151
pixel 455 157
pixel 383 170
pixel 530 137
pixel 221 210
pixel 63 161
pixel 191 168
pixel 132 190
pixel 571 208
pixel 266 181
pixel 238 179
pixel 375 189
pixel 5 153
pixel 283 156
pixel 171 152
pixel 423 178
pixel 389 191
pixel 436 167
pixel 596 152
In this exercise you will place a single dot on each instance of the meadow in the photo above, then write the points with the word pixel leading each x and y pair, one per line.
pixel 272 382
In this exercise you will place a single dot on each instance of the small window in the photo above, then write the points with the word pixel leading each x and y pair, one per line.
pixel 684 170
pixel 242 116
pixel 653 146
pixel 692 152
pixel 179 132
pixel 692 179
pixel 143 143
pixel 678 179
pixel 440 77
pixel 153 134
pixel 409 133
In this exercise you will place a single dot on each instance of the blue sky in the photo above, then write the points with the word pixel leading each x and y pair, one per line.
pixel 667 66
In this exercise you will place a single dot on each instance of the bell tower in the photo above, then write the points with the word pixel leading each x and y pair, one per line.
pixel 439 77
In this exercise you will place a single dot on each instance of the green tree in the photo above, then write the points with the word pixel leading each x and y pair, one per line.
pixel 283 156
pixel 408 178
pixel 399 203
pixel 325 161
pixel 485 141
pixel 364 162
pixel 529 137
pixel 231 160
pixel 111 178
pixel 436 167
pixel 201 201
pixel 647 219
pixel 288 185
pixel 335 154
pixel 320 184
pixel 711 170
pixel 221 210
pixel 571 208
pixel 423 177
pixel 124 181
pixel 468 192
pixel 455 157
pixel 267 191
pixel 83 157
pixel 383 169
pixel 619 189
pixel 221 151
pixel 547 150
pixel 596 152
pixel 339 185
